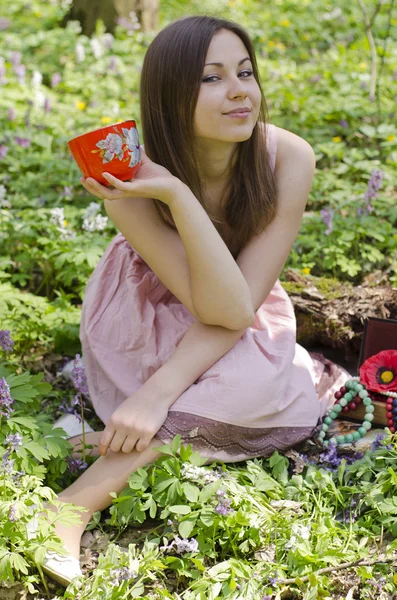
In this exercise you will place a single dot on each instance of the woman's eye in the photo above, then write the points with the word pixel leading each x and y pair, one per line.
pixel 216 77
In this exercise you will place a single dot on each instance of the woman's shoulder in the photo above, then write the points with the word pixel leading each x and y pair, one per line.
pixel 289 145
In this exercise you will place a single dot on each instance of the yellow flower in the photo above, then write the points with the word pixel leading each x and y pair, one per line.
pixel 106 119
pixel 271 43
pixel 81 105
pixel 285 23
pixel 280 45
pixel 393 21
pixel 391 138
pixel 337 139
pixel 65 222
pixel 362 65
pixel 306 271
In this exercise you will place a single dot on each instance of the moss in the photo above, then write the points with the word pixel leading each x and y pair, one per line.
pixel 330 288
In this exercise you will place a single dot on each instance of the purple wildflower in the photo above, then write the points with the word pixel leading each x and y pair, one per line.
pixel 122 574
pixel 7 464
pixel 181 546
pixel 266 597
pixel 15 59
pixel 273 580
pixel 3 78
pixel 78 376
pixel 223 508
pixel 23 142
pixel 20 72
pixel 330 456
pixel 11 114
pixel 377 443
pixel 374 184
pixel 343 123
pixel 3 151
pixel 47 105
pixel 6 343
pixel 13 440
pixel 76 464
pixel 56 80
pixel 67 191
pixel 12 514
pixel 4 23
pixel 112 66
pixel 5 398
pixel 327 217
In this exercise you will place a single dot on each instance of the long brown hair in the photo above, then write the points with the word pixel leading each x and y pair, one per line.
pixel 170 83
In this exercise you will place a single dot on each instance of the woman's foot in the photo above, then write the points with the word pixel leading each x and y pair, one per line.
pixel 70 534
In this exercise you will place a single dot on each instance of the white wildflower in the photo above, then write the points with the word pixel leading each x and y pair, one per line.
pixel 96 47
pixel 92 221
pixel 97 224
pixel 108 40
pixel 300 532
pixel 194 473
pixel 4 203
pixel 58 218
pixel 80 52
pixel 37 78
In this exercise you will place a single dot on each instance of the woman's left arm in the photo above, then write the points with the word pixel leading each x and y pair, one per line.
pixel 262 260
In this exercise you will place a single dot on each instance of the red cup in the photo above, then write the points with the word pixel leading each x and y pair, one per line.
pixel 113 149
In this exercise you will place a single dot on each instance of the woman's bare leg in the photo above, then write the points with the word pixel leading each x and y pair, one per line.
pixel 108 474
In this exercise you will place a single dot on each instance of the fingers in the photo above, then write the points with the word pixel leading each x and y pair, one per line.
pixel 143 444
pixel 118 441
pixel 105 440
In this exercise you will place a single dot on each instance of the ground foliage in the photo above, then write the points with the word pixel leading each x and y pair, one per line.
pixel 306 525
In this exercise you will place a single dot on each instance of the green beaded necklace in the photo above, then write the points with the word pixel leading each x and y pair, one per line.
pixel 355 386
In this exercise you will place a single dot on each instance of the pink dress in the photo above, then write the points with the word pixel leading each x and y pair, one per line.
pixel 267 393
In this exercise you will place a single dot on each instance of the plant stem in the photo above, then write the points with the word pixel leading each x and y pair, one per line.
pixel 353 563
pixel 83 428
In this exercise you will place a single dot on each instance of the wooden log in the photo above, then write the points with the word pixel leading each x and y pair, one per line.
pixel 358 414
pixel 332 313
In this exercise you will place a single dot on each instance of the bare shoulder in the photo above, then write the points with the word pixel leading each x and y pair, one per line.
pixel 292 150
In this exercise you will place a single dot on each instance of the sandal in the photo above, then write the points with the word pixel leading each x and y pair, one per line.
pixel 63 569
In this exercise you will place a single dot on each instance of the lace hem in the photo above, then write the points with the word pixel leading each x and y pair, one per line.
pixel 203 433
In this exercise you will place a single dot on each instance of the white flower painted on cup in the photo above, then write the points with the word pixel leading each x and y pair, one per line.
pixel 116 145
pixel 131 139
pixel 112 146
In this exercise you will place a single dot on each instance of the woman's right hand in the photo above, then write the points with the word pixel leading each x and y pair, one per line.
pixel 151 181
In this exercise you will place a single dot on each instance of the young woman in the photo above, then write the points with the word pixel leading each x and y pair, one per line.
pixel 185 326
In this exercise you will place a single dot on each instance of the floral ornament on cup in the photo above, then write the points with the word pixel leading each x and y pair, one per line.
pixel 120 146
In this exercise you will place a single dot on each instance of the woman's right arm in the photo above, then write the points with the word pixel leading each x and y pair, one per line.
pixel 218 287
pixel 200 348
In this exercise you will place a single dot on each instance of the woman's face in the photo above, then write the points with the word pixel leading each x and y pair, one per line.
pixel 224 89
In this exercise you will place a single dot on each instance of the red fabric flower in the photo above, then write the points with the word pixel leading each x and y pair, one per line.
pixel 379 372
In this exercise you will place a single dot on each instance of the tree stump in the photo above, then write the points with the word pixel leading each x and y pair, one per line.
pixel 87 12
pixel 332 313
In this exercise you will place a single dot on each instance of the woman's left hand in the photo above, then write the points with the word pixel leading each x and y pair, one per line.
pixel 135 422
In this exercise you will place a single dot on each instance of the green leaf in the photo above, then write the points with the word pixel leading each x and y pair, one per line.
pixel 208 491
pixel 186 526
pixel 191 491
pixel 180 509
pixel 19 563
